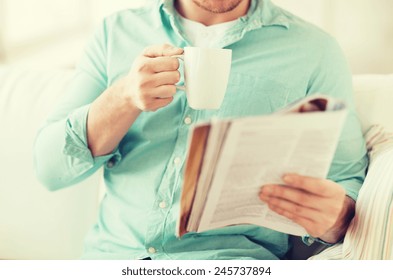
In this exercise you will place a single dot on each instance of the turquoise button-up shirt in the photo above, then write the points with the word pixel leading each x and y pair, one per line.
pixel 277 58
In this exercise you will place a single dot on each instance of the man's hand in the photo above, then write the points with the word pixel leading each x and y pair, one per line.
pixel 150 84
pixel 320 206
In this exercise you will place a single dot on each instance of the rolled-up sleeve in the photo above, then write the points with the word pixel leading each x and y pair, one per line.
pixel 76 140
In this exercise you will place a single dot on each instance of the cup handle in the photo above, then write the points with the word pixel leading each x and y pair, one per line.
pixel 181 57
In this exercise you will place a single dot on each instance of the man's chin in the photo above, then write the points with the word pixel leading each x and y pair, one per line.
pixel 217 6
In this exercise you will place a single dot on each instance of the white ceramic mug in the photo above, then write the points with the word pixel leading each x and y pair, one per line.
pixel 206 74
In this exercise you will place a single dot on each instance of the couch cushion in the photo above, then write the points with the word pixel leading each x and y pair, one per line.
pixel 34 223
pixel 374 100
pixel 370 234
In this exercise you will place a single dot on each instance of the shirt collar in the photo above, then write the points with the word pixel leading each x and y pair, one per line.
pixel 261 13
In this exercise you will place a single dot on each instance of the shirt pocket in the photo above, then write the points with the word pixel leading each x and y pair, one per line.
pixel 250 95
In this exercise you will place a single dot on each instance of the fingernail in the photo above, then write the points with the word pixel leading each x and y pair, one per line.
pixel 288 179
pixel 266 190
pixel 262 196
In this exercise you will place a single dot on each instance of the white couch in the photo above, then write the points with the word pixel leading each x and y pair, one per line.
pixel 38 224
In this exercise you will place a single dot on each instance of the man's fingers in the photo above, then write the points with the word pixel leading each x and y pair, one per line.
pixel 292 208
pixel 309 219
pixel 166 78
pixel 294 195
pixel 162 50
pixel 319 187
pixel 159 103
pixel 165 91
pixel 163 64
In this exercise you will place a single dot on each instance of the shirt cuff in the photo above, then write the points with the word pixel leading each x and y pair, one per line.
pixel 309 240
pixel 76 142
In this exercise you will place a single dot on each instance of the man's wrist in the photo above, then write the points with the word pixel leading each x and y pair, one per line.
pixel 119 89
pixel 337 232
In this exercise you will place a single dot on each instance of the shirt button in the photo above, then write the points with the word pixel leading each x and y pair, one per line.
pixel 162 204
pixel 110 164
pixel 151 250
pixel 187 120
pixel 177 161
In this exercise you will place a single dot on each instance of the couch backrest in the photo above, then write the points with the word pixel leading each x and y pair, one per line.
pixel 374 100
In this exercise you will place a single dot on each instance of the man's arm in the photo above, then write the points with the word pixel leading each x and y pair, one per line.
pixel 149 86
pixel 84 130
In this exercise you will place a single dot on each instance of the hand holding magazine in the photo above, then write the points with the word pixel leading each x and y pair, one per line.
pixel 229 161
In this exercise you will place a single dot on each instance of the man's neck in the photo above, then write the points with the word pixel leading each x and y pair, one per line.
pixel 190 10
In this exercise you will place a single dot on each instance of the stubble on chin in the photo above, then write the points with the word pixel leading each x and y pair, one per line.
pixel 217 6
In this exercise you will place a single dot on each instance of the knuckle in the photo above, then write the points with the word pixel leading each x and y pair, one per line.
pixel 278 210
pixel 140 65
pixel 277 191
pixel 166 46
pixel 143 99
pixel 175 63
pixel 143 84
pixel 274 201
pixel 299 181
pixel 172 90
pixel 273 207
pixel 147 50
pixel 302 198
pixel 167 101
pixel 296 209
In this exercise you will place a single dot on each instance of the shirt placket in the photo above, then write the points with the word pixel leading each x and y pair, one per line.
pixel 159 225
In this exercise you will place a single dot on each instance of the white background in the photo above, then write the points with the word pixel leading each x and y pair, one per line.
pixel 53 32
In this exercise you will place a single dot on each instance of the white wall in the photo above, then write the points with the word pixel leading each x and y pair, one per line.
pixel 54 32
pixel 364 29
pixel 50 33
pixel 107 7
pixel 31 26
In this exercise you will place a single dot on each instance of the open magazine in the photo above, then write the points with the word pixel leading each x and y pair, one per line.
pixel 229 161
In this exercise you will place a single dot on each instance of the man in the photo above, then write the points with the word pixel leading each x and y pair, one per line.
pixel 122 111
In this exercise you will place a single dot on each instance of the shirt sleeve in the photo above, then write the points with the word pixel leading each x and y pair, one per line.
pixel 332 76
pixel 61 154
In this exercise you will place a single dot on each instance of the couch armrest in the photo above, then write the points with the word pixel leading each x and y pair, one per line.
pixel 370 235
